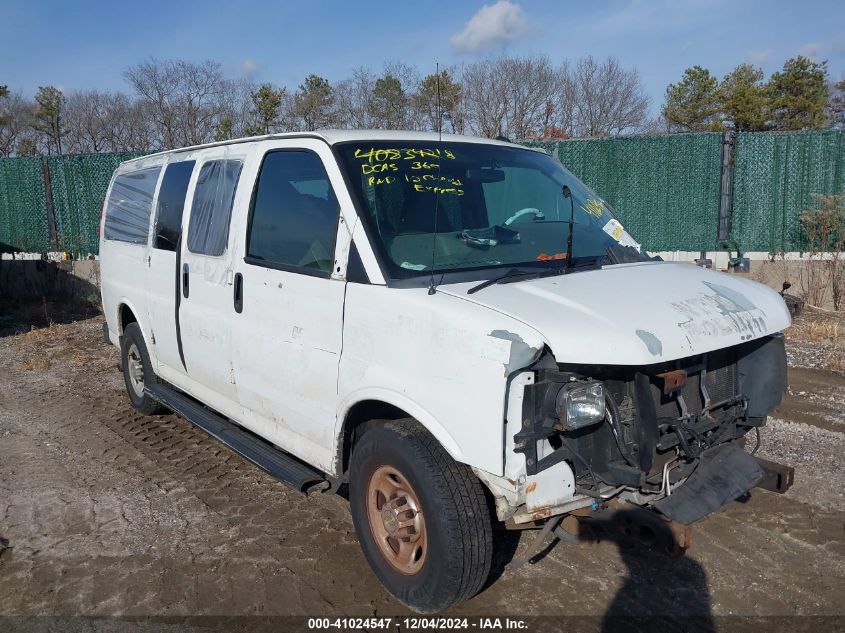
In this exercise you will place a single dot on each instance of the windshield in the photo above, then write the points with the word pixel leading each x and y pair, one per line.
pixel 496 206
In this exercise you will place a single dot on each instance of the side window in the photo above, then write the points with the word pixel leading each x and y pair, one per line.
pixel 171 203
pixel 208 230
pixel 129 206
pixel 294 214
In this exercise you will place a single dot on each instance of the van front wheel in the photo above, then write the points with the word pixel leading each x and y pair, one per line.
pixel 137 372
pixel 421 518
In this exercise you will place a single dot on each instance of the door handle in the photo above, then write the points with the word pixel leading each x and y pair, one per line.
pixel 239 293
pixel 185 280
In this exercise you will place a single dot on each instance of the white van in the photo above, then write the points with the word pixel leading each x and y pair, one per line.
pixel 454 330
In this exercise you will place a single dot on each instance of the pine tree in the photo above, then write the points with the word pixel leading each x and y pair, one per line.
pixel 798 95
pixel 47 118
pixel 744 99
pixel 693 104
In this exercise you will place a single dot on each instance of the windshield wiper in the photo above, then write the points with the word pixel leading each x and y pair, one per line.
pixel 514 274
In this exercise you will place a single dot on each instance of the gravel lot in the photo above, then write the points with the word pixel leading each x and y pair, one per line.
pixel 112 513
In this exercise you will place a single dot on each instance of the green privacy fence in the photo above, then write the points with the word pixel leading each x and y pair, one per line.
pixel 665 189
pixel 689 192
pixel 23 205
pixel 668 190
pixel 53 203
pixel 79 185
pixel 775 177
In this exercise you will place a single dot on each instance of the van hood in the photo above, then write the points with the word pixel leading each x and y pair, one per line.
pixel 636 314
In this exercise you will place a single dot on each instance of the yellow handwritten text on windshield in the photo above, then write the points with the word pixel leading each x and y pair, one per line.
pixel 420 167
pixel 374 155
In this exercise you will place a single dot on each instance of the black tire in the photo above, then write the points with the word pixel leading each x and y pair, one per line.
pixel 132 342
pixel 457 527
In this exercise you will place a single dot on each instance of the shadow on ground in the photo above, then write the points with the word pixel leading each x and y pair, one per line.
pixel 664 590
pixel 36 293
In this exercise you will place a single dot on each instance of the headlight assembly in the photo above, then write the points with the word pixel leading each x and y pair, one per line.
pixel 580 404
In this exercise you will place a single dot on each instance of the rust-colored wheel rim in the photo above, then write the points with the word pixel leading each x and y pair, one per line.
pixel 396 520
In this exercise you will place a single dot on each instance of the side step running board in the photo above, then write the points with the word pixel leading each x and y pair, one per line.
pixel 263 454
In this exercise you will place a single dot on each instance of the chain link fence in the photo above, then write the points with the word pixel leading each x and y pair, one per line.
pixel 79 185
pixel 775 175
pixel 666 190
pixel 23 206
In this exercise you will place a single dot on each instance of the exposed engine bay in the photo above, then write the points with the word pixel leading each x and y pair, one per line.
pixel 653 430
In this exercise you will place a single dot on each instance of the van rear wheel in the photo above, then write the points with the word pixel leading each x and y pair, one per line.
pixel 421 517
pixel 137 371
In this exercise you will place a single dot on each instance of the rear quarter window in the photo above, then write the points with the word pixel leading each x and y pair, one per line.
pixel 129 206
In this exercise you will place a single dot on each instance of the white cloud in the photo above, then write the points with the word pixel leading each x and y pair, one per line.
pixel 758 58
pixel 493 25
pixel 811 50
pixel 249 68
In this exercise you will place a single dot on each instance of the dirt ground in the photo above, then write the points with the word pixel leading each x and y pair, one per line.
pixel 108 512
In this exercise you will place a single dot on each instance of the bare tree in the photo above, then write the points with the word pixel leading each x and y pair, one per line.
pixel 15 114
pixel 129 124
pixel 352 97
pixel 187 100
pixel 87 121
pixel 179 103
pixel 824 231
pixel 522 98
pixel 655 126
pixel 560 110
pixel 610 99
pixel 532 85
pixel 485 98
pixel 107 122
pixel 836 104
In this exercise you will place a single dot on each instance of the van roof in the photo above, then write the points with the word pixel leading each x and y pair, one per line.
pixel 339 136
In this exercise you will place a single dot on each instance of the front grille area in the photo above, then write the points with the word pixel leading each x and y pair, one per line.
pixel 721 376
pixel 644 428
pixel 720 382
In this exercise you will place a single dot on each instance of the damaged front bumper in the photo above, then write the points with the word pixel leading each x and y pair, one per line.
pixel 670 439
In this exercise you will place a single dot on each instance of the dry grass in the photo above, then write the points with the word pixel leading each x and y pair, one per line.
pixel 819 326
pixel 74 345
pixel 34 347
pixel 820 335
pixel 34 363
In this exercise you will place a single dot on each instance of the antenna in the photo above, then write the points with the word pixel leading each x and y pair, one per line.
pixel 431 288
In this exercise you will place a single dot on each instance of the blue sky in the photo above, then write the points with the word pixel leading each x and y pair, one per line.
pixel 84 44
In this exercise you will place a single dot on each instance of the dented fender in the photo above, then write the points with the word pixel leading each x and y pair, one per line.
pixel 443 360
